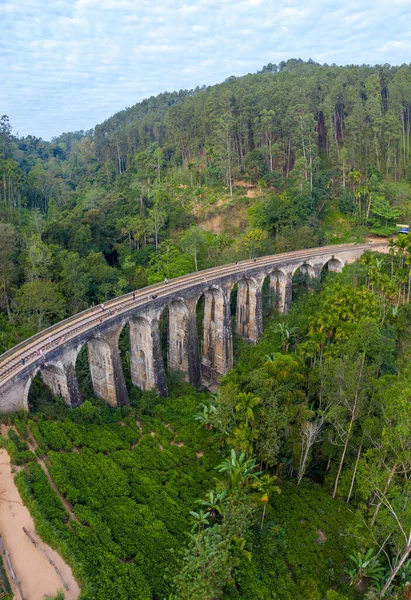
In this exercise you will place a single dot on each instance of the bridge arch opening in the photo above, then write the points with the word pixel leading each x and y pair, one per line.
pixel 334 265
pixel 44 389
pixel 36 392
pixel 303 280
pixel 82 370
pixel 124 349
pixel 163 327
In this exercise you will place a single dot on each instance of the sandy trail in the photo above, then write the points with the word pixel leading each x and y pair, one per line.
pixel 36 574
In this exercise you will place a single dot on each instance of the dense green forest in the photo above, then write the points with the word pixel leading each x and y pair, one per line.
pixel 293 480
pixel 293 156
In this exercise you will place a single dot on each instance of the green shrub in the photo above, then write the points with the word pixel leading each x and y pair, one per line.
pixel 18 449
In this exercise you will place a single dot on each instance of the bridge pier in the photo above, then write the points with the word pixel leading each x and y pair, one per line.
pixel 281 284
pixel 193 350
pixel 14 395
pixel 249 312
pixel 146 359
pixel 60 378
pixel 217 356
pixel 183 352
pixel 105 368
pixel 177 351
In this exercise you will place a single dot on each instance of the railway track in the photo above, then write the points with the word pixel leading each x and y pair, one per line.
pixel 48 339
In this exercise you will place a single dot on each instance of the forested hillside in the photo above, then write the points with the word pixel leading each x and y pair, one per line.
pixel 293 480
pixel 290 157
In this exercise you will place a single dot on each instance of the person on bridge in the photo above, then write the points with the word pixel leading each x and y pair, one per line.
pixel 166 280
pixel 134 295
pixel 103 307
pixel 23 362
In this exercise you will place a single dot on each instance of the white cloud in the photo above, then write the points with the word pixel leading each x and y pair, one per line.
pixel 69 64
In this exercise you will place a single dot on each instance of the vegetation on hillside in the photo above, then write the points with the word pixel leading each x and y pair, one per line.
pixel 293 481
pixel 291 157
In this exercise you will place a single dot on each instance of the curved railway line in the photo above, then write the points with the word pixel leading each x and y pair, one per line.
pixel 39 344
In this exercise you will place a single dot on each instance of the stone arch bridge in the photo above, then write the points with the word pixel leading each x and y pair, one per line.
pixel 53 352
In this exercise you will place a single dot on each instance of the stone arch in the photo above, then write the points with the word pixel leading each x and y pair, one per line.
pixel 333 265
pixel 106 370
pixel 59 378
pixel 303 278
pixel 211 289
pixel 27 386
pixel 305 268
pixel 205 300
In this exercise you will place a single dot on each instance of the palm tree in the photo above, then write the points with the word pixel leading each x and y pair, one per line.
pixel 246 404
pixel 374 270
pixel 391 252
pixel 401 279
pixel 239 470
pixel 401 244
pixel 265 485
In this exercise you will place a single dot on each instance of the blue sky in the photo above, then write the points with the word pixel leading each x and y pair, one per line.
pixel 67 65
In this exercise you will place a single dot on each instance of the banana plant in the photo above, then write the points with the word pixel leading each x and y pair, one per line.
pixel 366 566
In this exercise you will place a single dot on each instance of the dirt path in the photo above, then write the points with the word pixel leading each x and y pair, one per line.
pixel 62 499
pixel 36 575
pixel 33 445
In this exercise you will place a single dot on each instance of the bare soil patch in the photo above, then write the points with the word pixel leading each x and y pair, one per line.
pixel 321 537
pixel 36 575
